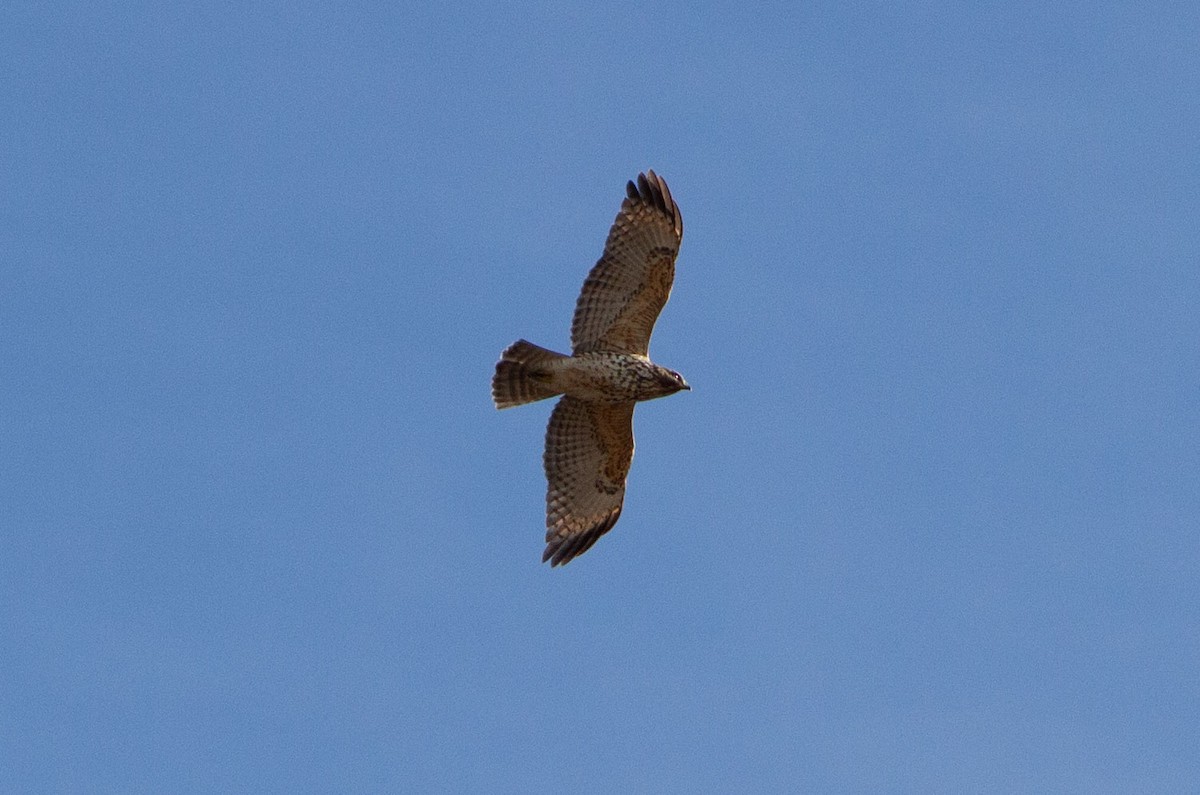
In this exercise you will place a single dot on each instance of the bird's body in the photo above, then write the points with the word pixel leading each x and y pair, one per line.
pixel 599 376
pixel 589 441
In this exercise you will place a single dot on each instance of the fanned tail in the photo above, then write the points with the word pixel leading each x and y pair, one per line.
pixel 521 375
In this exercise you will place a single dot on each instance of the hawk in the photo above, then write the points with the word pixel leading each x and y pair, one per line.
pixel 589 441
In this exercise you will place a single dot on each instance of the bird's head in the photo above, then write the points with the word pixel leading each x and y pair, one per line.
pixel 671 381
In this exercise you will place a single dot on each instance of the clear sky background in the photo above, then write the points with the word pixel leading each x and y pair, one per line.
pixel 928 520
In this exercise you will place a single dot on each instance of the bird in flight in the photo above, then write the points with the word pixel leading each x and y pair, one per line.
pixel 589 441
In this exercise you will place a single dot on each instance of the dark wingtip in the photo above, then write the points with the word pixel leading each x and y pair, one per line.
pixel 652 189
pixel 562 551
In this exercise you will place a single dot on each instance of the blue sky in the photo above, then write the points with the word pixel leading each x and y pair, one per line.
pixel 927 521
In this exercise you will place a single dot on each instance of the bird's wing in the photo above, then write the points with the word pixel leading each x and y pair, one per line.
pixel 589 447
pixel 628 287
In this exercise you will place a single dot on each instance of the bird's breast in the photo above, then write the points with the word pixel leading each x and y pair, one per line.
pixel 608 377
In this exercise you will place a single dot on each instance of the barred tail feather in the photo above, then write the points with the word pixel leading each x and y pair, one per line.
pixel 521 376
